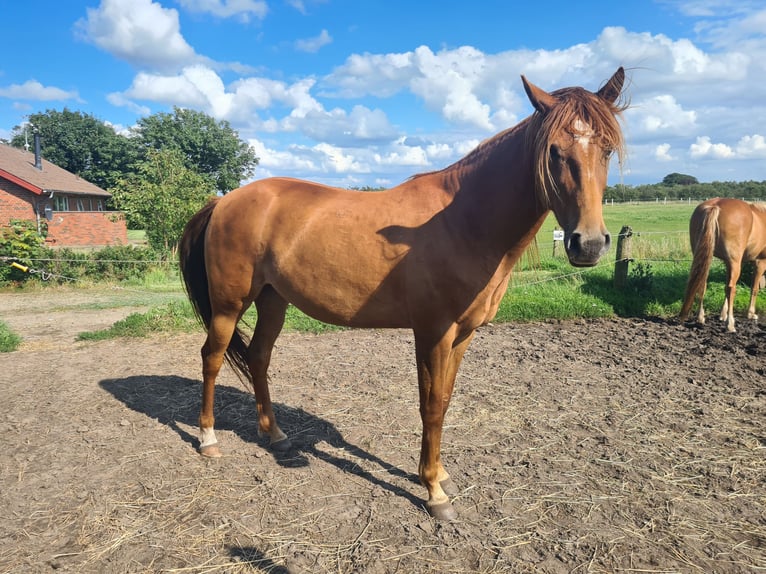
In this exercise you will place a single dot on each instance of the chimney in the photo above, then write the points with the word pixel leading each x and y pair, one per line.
pixel 38 159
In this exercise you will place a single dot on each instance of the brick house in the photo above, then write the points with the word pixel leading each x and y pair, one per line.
pixel 74 210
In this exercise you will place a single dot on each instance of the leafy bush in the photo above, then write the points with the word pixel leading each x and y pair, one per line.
pixel 123 262
pixel 9 341
pixel 19 242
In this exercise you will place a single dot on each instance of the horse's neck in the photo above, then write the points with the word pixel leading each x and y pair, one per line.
pixel 496 193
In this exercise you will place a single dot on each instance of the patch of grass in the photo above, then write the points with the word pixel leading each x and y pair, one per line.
pixel 9 341
pixel 296 320
pixel 177 316
pixel 174 316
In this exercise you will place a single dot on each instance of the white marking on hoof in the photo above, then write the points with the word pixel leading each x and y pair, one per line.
pixel 208 444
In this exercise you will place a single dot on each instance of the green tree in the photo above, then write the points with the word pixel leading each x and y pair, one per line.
pixel 161 196
pixel 679 179
pixel 208 147
pixel 79 143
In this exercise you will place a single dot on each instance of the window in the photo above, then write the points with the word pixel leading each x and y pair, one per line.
pixel 60 203
pixel 80 204
pixel 99 205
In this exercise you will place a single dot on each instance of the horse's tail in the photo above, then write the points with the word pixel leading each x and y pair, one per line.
pixel 703 247
pixel 191 252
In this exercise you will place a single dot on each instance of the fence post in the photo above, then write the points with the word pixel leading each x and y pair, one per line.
pixel 623 257
pixel 558 239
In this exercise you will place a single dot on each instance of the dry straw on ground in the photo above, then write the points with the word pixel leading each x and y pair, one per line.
pixel 604 446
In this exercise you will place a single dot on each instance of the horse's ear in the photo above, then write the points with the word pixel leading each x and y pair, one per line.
pixel 611 90
pixel 541 100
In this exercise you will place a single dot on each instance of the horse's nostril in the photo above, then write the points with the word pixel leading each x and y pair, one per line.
pixel 607 240
pixel 575 243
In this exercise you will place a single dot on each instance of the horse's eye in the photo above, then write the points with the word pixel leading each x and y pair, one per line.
pixel 555 153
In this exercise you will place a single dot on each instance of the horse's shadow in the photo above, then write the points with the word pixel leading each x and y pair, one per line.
pixel 175 400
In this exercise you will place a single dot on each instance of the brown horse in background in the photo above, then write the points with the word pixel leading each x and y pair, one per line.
pixel 734 231
pixel 433 254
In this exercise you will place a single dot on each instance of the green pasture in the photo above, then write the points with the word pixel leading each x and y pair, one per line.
pixel 543 285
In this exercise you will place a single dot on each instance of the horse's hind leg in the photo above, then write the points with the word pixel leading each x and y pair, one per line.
pixel 271 309
pixel 760 268
pixel 701 310
pixel 734 268
pixel 219 334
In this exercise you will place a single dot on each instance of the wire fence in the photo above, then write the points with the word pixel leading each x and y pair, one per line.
pixel 37 266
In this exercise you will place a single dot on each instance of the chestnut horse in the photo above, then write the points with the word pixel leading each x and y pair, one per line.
pixel 734 231
pixel 433 254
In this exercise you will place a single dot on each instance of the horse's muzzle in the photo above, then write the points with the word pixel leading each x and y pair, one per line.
pixel 585 252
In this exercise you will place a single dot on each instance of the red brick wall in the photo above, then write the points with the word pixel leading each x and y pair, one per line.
pixel 87 229
pixel 67 228
pixel 15 202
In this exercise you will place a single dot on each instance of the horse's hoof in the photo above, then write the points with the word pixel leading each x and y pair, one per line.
pixel 210 450
pixel 282 445
pixel 442 511
pixel 449 487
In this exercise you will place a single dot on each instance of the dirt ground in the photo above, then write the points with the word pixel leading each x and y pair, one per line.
pixel 598 446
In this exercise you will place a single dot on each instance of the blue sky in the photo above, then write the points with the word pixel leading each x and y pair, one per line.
pixel 370 92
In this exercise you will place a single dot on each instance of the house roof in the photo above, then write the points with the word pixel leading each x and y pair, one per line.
pixel 18 166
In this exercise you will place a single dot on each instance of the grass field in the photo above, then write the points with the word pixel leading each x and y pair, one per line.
pixel 543 285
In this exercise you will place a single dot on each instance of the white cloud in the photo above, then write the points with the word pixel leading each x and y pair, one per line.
pixel 120 101
pixel 744 24
pixel 242 9
pixel 201 88
pixel 706 8
pixel 276 161
pixel 752 147
pixel 461 84
pixel 662 153
pixel 140 32
pixel 471 88
pixel 183 89
pixel 298 5
pixel 313 45
pixel 34 90
pixel 704 148
pixel 662 114
pixel 335 159
pixel 319 127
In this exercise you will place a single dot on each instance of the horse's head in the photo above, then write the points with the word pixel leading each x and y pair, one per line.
pixel 575 133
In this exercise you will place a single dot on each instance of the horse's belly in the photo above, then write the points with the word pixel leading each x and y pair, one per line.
pixel 335 297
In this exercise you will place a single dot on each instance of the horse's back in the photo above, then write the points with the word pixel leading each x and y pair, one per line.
pixel 740 227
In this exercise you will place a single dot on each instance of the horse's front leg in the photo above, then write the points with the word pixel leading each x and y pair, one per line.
pixel 437 364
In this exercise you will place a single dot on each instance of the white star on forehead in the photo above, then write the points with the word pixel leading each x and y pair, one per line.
pixel 582 133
